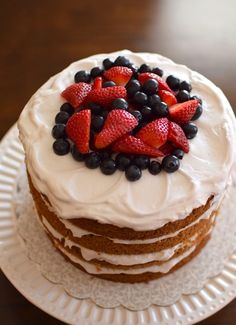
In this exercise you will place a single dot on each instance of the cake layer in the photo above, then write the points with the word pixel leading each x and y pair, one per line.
pixel 77 192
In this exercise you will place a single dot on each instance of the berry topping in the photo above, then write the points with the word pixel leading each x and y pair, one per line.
pixel 178 153
pixel 183 96
pixel 158 71
pixel 122 61
pixel 198 98
pixel 108 166
pixel 66 107
pixel 96 71
pixel 97 84
pixel 137 115
pixel 141 161
pixel 160 109
pixel 78 130
pixel 146 112
pixel 122 161
pixel 58 131
pixel 167 148
pixel 120 75
pixel 144 68
pixel 154 167
pixel 118 123
pixel 183 112
pixel 107 63
pixel 173 82
pixel 198 113
pixel 177 137
pixel 148 75
pixel 62 117
pixel 76 154
pixel 76 93
pixel 170 164
pixel 82 76
pixel 153 100
pixel 61 147
pixel 185 86
pixel 92 160
pixel 108 84
pixel 133 173
pixel 155 133
pixel 167 97
pixel 150 87
pixel 95 108
pixel 132 145
pixel 120 103
pixel 140 98
pixel 132 87
pixel 105 96
pixel 190 130
pixel 97 122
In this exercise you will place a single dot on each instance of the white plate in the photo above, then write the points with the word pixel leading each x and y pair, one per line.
pixel 51 298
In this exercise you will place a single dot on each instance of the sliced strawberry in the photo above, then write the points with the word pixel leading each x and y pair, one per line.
pixel 120 75
pixel 105 96
pixel 183 112
pixel 78 130
pixel 130 144
pixel 167 148
pixel 167 97
pixel 177 137
pixel 149 75
pixel 97 84
pixel 155 133
pixel 76 93
pixel 118 123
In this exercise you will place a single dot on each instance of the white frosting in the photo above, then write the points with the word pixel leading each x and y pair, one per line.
pixel 75 191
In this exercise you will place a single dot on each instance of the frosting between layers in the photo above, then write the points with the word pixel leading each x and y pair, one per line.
pixel 75 191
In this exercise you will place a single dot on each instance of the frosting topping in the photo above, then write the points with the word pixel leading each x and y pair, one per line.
pixel 75 191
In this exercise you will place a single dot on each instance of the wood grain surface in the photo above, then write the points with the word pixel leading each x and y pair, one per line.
pixel 40 38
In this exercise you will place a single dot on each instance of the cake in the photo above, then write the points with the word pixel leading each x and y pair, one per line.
pixel 128 158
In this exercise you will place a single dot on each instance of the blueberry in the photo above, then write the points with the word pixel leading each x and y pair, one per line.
pixel 67 107
pixel 132 87
pixel 190 130
pixel 170 164
pixel 198 113
pixel 105 154
pixel 62 117
pixel 120 103
pixel 160 109
pixel 137 115
pixel 76 154
pixel 146 112
pixel 92 160
pixel 198 98
pixel 140 98
pixel 121 61
pixel 108 84
pixel 108 166
pixel 173 82
pixel 95 108
pixel 158 71
pixel 104 114
pixel 141 161
pixel 153 100
pixel 185 86
pixel 82 76
pixel 154 167
pixel 61 147
pixel 178 153
pixel 144 68
pixel 122 161
pixel 183 96
pixel 58 131
pixel 133 173
pixel 107 63
pixel 97 122
pixel 141 125
pixel 96 71
pixel 150 87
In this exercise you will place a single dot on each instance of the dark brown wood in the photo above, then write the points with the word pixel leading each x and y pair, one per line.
pixel 39 39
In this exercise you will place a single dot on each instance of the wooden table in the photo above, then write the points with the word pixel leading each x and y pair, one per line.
pixel 39 39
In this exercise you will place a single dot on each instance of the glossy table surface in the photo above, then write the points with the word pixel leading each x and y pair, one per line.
pixel 38 39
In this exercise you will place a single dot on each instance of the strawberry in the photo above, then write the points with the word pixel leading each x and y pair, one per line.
pixel 76 93
pixel 105 96
pixel 149 75
pixel 183 112
pixel 155 133
pixel 78 130
pixel 97 84
pixel 118 123
pixel 177 137
pixel 130 144
pixel 167 148
pixel 167 97
pixel 120 75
